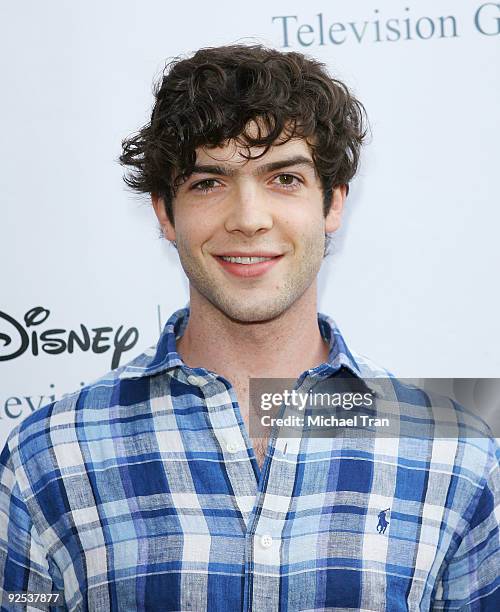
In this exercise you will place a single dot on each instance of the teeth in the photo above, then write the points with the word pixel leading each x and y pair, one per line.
pixel 245 260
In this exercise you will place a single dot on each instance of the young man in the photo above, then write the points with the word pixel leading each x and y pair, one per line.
pixel 148 491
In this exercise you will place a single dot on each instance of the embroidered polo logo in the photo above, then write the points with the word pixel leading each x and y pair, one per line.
pixel 382 520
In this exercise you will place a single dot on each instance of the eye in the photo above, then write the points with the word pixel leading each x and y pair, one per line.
pixel 287 181
pixel 205 186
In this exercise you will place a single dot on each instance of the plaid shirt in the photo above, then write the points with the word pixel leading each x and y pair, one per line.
pixel 142 492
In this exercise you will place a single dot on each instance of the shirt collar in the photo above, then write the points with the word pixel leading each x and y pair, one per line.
pixel 164 356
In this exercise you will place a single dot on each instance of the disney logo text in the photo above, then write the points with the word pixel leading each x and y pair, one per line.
pixel 19 338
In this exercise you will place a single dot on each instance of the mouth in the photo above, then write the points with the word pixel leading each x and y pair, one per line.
pixel 244 265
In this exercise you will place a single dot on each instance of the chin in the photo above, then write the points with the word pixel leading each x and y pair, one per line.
pixel 252 313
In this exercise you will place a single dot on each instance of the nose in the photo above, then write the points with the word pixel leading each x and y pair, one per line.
pixel 249 212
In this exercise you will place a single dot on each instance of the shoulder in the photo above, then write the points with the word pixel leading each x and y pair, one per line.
pixel 77 416
pixel 453 438
pixel 455 435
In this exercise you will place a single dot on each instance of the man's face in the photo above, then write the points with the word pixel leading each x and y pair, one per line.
pixel 269 208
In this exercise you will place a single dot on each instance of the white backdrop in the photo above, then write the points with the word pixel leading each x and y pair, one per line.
pixel 413 282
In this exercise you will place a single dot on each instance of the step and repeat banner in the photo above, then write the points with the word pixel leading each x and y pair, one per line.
pixel 86 282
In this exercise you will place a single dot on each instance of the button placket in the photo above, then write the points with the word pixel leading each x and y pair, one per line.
pixel 226 429
pixel 232 447
pixel 270 522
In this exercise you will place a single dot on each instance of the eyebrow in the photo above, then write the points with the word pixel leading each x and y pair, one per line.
pixel 297 160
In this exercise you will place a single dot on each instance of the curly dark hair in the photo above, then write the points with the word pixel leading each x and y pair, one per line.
pixel 215 95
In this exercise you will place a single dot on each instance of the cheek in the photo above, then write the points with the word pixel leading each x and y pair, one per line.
pixel 192 233
pixel 304 229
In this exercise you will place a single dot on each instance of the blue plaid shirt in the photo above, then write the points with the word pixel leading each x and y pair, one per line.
pixel 142 492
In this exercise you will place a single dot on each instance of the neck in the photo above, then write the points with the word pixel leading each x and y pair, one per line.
pixel 283 347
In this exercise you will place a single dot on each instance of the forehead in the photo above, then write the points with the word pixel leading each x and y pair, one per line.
pixel 234 154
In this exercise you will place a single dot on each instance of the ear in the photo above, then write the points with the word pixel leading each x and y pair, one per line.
pixel 334 216
pixel 161 214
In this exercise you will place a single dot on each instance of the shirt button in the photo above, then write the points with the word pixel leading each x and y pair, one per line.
pixel 266 541
pixel 232 447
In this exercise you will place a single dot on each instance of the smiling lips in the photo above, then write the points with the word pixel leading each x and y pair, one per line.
pixel 242 265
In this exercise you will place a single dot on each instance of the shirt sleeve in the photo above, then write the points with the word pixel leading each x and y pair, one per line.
pixel 24 565
pixel 471 580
